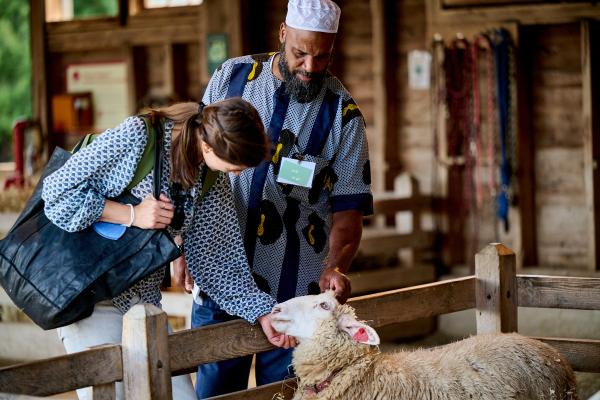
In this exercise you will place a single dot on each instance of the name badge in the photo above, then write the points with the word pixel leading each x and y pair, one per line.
pixel 296 172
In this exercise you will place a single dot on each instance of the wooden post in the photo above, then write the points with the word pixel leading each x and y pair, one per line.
pixel 384 152
pixel 146 366
pixel 496 289
pixel 106 391
pixel 526 150
pixel 590 63
pixel 39 87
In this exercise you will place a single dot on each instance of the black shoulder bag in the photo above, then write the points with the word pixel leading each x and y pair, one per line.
pixel 56 277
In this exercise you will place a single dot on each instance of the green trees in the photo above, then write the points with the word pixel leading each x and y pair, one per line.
pixel 15 68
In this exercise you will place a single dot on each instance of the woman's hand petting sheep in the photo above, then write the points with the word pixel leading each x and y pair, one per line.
pixel 152 213
pixel 333 279
pixel 274 337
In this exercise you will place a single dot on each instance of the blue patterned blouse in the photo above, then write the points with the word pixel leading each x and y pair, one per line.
pixel 74 199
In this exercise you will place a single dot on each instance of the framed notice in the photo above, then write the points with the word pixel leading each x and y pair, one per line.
pixel 216 51
pixel 107 81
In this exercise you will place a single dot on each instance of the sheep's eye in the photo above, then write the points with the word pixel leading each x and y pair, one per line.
pixel 324 305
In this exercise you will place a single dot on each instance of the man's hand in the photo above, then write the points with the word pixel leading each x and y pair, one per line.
pixel 274 337
pixel 182 276
pixel 333 279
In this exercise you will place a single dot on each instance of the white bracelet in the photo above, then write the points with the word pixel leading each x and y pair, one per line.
pixel 131 215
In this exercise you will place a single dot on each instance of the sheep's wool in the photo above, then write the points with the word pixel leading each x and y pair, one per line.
pixel 313 15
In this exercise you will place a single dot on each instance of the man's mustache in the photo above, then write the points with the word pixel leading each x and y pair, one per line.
pixel 308 74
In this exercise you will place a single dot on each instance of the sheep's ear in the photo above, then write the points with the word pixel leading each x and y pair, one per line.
pixel 358 331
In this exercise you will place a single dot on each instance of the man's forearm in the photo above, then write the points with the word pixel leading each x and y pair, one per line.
pixel 346 231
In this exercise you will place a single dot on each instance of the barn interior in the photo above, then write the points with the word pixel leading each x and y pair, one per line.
pixel 482 117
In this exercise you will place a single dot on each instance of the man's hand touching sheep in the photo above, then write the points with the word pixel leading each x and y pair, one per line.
pixel 334 279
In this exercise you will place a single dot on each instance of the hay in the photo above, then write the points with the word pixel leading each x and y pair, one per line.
pixel 14 199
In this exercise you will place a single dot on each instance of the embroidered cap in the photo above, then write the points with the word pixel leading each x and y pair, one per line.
pixel 313 15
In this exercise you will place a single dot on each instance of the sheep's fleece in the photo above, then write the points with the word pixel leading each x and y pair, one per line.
pixel 337 359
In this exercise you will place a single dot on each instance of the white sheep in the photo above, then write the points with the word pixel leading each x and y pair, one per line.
pixel 337 358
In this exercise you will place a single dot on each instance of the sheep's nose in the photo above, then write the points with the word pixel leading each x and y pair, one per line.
pixel 276 310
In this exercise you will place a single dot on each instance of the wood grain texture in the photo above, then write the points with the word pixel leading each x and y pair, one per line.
pixel 224 341
pixel 65 373
pixel 496 289
pixel 590 62
pixel 559 292
pixel 106 391
pixel 146 363
pixel 416 302
pixel 583 355
pixel 266 392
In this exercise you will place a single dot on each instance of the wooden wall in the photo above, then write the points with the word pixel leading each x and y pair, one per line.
pixel 167 56
pixel 557 130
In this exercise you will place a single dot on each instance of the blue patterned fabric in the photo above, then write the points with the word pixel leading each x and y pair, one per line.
pixel 342 176
pixel 74 199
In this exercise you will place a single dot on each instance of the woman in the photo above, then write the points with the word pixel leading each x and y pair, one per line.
pixel 227 136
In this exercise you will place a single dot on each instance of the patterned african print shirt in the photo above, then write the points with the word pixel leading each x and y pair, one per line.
pixel 286 227
pixel 74 199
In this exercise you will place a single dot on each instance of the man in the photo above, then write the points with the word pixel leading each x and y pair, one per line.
pixel 300 212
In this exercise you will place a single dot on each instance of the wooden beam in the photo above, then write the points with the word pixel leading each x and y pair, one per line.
pixel 152 27
pixel 590 64
pixel 10 396
pixel 558 292
pixel 212 343
pixel 39 86
pixel 232 339
pixel 416 302
pixel 385 92
pixel 390 278
pixel 529 14
pixel 374 243
pixel 105 391
pixel 146 362
pixel 583 355
pixel 496 289
pixel 526 152
pixel 267 392
pixel 65 373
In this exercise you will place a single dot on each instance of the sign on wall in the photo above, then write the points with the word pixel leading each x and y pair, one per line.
pixel 107 81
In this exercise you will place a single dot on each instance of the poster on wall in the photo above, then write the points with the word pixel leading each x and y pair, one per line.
pixel 107 81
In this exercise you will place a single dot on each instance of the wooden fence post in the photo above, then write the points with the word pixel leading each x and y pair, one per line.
pixel 496 289
pixel 146 367
pixel 106 391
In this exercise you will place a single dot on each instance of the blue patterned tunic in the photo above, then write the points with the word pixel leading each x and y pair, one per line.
pixel 74 199
pixel 286 228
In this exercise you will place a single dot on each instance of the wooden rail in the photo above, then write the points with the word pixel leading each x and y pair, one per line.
pixel 148 357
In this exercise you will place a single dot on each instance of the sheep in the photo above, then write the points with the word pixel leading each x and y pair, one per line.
pixel 337 358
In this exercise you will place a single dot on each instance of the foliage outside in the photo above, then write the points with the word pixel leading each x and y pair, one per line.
pixel 15 69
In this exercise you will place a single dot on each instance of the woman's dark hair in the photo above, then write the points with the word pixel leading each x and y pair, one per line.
pixel 231 127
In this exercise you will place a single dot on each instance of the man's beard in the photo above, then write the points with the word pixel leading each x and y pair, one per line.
pixel 302 92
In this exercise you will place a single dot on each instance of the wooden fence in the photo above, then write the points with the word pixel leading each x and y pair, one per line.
pixel 149 356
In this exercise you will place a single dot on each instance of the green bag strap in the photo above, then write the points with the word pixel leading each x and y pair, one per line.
pixel 146 163
pixel 210 177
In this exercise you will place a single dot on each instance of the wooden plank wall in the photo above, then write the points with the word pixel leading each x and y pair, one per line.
pixel 415 138
pixel 557 131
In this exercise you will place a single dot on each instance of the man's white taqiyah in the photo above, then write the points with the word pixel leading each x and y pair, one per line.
pixel 313 15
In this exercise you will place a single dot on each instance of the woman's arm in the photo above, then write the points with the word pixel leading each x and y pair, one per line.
pixel 215 255
pixel 149 214
pixel 75 194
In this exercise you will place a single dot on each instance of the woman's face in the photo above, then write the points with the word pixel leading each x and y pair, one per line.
pixel 218 164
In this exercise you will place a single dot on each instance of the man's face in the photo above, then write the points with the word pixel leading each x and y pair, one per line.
pixel 305 56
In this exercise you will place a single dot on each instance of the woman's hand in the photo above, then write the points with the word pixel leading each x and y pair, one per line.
pixel 181 274
pixel 274 337
pixel 152 213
